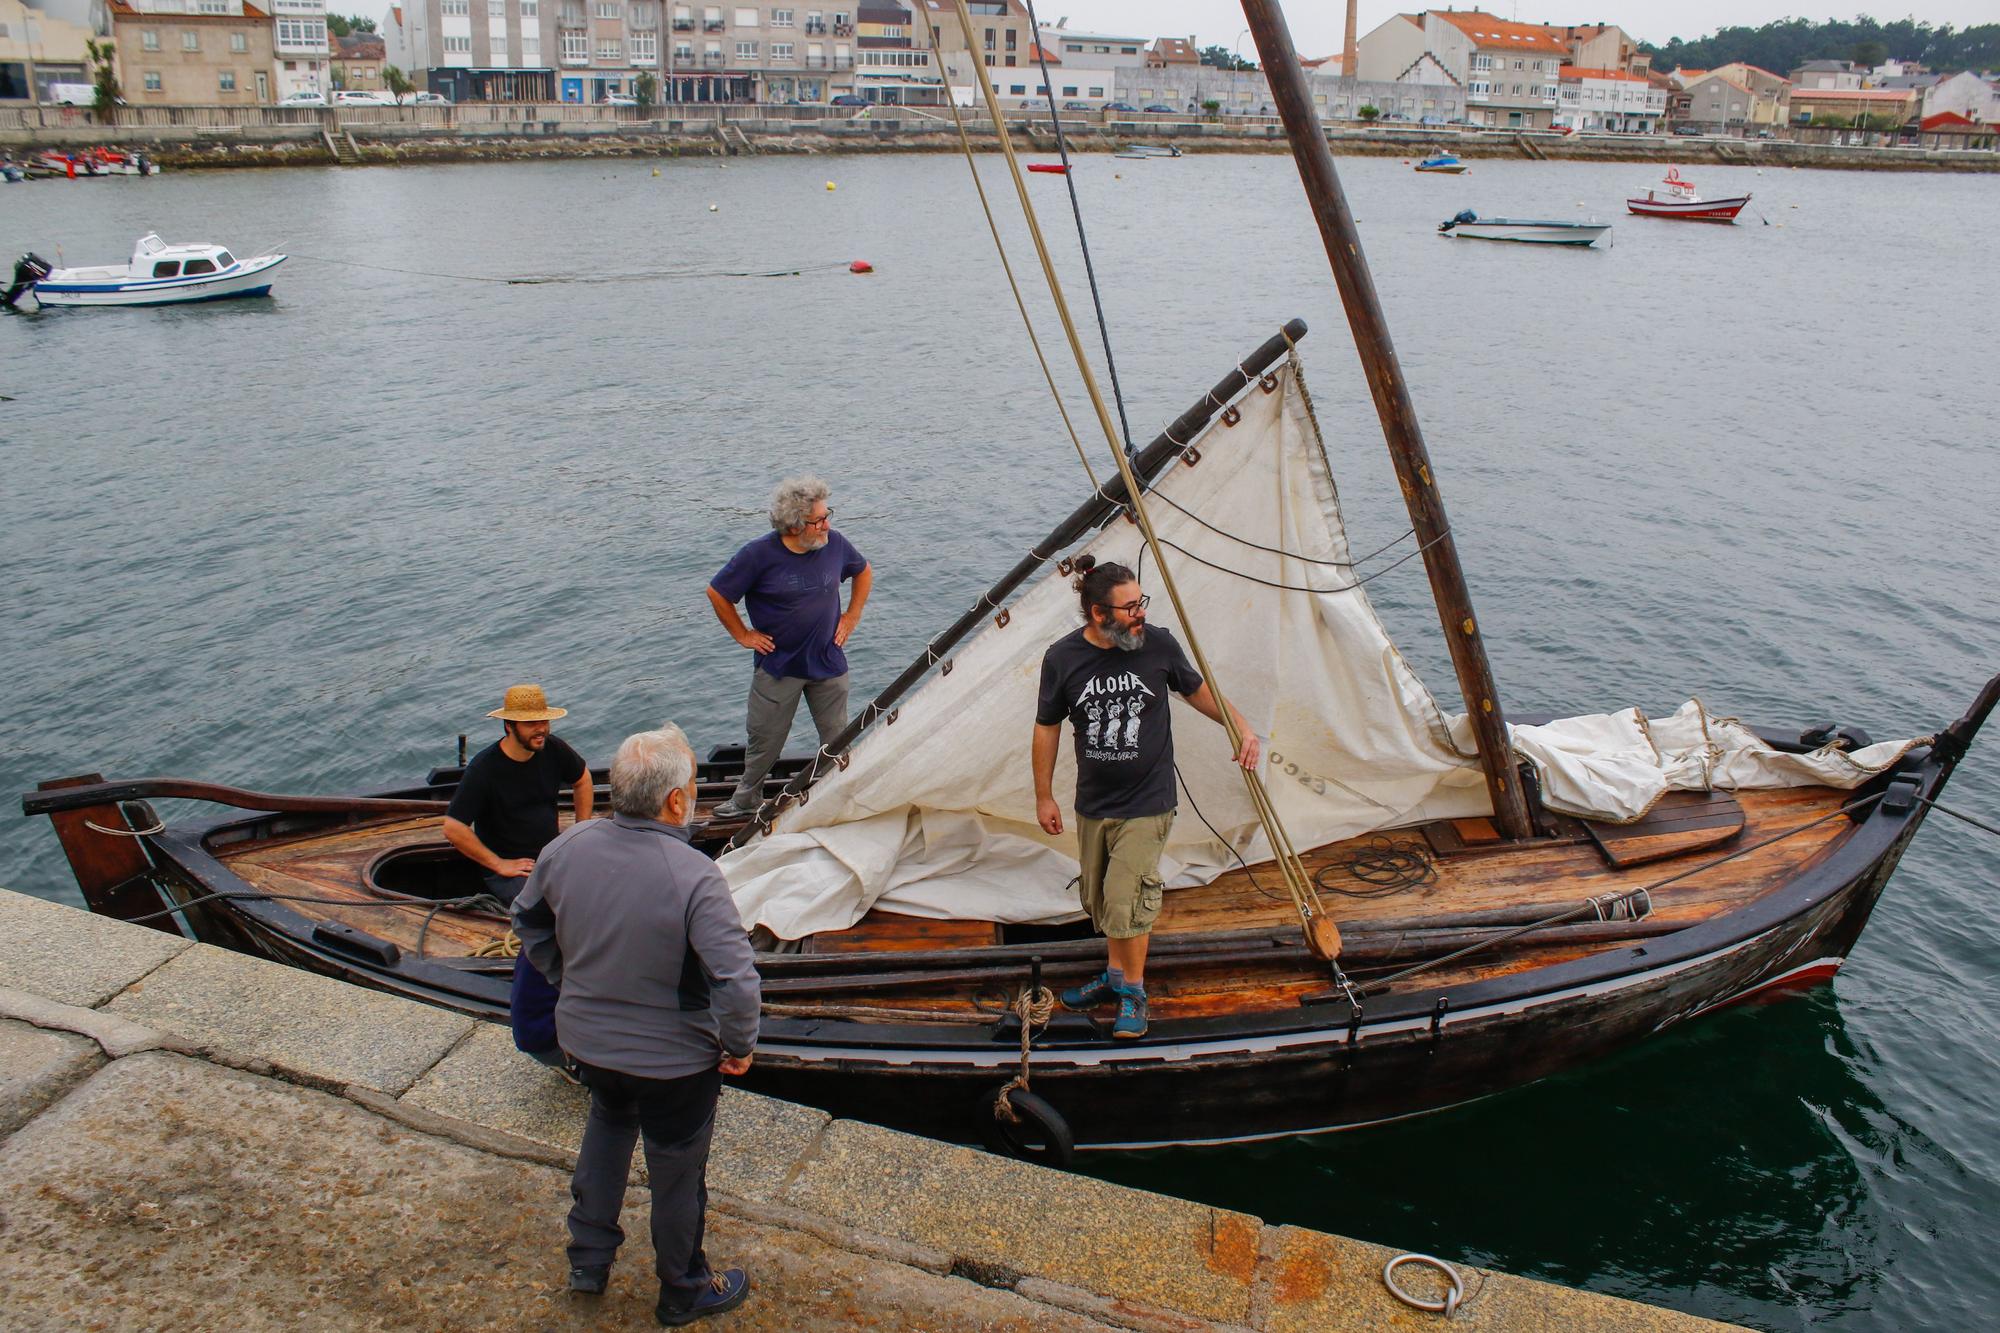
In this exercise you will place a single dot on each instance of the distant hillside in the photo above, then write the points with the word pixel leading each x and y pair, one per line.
pixel 1789 43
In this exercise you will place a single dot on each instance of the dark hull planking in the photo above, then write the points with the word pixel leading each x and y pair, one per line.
pixel 1226 1079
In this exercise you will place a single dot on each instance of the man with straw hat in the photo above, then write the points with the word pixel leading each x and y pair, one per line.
pixel 504 811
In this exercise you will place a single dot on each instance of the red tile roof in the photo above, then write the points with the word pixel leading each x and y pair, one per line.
pixel 1572 72
pixel 1037 54
pixel 1947 120
pixel 1487 31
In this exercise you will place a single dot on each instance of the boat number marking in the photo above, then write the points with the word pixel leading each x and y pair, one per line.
pixel 1306 778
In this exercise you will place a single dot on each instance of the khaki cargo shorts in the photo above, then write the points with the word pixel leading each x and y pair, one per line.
pixel 1120 882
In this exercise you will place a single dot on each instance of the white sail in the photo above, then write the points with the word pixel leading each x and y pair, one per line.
pixel 934 815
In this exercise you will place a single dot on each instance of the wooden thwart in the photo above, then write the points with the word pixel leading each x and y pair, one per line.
pixel 1683 821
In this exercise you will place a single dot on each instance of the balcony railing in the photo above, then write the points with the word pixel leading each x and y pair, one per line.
pixel 712 60
pixel 843 62
pixel 645 60
pixel 843 29
pixel 712 25
pixel 569 59
pixel 815 62
pixel 683 25
pixel 816 27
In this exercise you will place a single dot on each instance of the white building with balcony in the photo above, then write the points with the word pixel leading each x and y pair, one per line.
pixel 1609 100
pixel 302 58
pixel 481 50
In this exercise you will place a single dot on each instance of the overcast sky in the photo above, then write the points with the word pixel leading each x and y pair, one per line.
pixel 1316 24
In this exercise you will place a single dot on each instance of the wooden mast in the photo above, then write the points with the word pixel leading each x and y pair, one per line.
pixel 1393 405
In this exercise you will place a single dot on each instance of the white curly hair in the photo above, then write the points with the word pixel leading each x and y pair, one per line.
pixel 793 500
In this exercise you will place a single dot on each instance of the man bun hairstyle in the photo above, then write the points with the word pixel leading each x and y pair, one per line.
pixel 1094 582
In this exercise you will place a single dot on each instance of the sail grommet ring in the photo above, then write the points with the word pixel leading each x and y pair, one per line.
pixel 1066 567
pixel 1446 1307
pixel 1268 383
pixel 1000 621
pixel 841 761
pixel 1190 455
pixel 1231 415
pixel 890 720
pixel 947 666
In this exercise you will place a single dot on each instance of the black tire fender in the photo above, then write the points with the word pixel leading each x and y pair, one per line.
pixel 1042 1136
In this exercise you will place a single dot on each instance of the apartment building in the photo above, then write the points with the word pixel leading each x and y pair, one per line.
pixel 1089 61
pixel 765 53
pixel 303 62
pixel 1610 100
pixel 358 59
pixel 892 60
pixel 38 50
pixel 219 55
pixel 1002 40
pixel 1511 71
pixel 1770 94
pixel 482 50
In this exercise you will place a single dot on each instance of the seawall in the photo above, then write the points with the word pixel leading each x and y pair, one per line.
pixel 256 137
pixel 189 1135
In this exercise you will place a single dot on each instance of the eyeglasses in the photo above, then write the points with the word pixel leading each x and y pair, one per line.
pixel 1129 607
pixel 822 521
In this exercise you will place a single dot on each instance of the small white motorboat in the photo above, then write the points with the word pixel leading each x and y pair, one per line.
pixel 1534 231
pixel 1675 197
pixel 158 274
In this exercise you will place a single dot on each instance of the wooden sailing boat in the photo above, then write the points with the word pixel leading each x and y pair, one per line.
pixel 1491 940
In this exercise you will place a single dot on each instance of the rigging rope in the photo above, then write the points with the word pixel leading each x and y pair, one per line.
pixel 1082 240
pixel 580 279
pixel 965 145
pixel 1034 1008
pixel 1320 933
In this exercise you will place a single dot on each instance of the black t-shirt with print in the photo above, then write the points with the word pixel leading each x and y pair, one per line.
pixel 1116 701
pixel 510 804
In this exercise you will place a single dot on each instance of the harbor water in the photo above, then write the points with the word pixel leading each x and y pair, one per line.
pixel 301 544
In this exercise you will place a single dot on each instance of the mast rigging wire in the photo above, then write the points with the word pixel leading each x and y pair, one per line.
pixel 1082 240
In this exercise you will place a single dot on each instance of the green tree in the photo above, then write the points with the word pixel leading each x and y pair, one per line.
pixel 1368 111
pixel 645 91
pixel 396 81
pixel 105 80
pixel 1221 57
pixel 345 25
pixel 1869 54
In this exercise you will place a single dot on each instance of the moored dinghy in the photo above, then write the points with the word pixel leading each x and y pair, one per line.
pixel 157 274
pixel 1469 225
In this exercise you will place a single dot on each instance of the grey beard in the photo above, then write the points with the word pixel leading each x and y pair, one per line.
pixel 1129 639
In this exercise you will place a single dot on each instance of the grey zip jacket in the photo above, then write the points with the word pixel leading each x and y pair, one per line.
pixel 638 932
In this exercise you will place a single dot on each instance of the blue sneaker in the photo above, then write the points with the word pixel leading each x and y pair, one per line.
pixel 1098 990
pixel 725 1291
pixel 1131 1013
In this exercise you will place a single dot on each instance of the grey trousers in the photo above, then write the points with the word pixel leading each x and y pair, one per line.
pixel 677 1118
pixel 774 702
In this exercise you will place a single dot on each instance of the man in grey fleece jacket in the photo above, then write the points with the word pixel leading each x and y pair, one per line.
pixel 659 999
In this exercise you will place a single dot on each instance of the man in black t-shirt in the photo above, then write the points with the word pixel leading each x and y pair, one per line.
pixel 504 811
pixel 1112 680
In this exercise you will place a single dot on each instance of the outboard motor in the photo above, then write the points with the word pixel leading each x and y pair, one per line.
pixel 29 269
pixel 1464 215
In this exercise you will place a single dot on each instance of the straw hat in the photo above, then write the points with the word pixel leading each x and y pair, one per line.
pixel 527 703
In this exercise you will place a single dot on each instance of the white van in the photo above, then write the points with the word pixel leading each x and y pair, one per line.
pixel 72 94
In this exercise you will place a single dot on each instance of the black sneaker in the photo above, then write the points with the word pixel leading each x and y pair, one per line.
pixel 725 1291
pixel 589 1281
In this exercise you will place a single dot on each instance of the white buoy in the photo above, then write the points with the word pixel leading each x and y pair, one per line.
pixel 713 208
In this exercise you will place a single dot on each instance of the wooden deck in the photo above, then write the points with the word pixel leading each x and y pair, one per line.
pixel 1473 877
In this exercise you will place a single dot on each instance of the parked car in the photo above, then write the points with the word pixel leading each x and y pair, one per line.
pixel 1078 106
pixel 849 99
pixel 1688 131
pixel 303 97
pixel 1765 134
pixel 425 99
pixel 1119 106
pixel 1157 110
pixel 618 99
pixel 354 97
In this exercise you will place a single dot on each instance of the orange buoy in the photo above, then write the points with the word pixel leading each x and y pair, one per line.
pixel 861 266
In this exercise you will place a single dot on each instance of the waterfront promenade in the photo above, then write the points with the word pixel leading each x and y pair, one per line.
pixel 186 1131
pixel 198 136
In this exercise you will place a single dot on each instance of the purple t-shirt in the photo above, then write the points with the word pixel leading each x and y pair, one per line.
pixel 794 598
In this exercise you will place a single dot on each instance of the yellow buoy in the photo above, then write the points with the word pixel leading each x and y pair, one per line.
pixel 829 185
pixel 656 171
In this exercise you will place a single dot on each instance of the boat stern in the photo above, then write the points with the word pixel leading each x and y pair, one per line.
pixel 106 850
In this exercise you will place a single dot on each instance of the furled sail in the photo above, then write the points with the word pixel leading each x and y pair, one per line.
pixel 934 814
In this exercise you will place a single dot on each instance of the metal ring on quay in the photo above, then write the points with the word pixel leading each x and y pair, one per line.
pixel 1446 1307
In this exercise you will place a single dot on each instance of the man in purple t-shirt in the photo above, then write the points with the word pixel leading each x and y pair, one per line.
pixel 790 579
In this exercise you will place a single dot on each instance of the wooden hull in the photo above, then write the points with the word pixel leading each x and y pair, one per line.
pixel 1303 1066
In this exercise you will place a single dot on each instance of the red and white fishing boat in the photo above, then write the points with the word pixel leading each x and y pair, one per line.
pixel 1675 197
